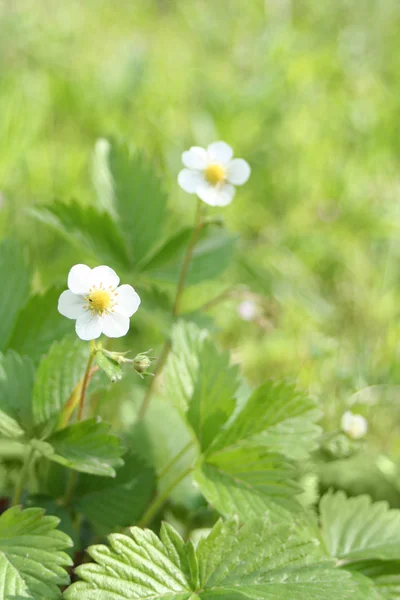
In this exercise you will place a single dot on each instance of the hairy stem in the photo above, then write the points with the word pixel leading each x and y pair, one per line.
pixel 73 400
pixel 69 492
pixel 159 500
pixel 175 311
pixel 23 476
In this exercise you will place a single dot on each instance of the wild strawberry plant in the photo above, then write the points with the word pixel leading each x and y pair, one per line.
pixel 207 491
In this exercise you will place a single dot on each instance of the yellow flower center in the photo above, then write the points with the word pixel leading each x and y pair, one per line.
pixel 214 174
pixel 99 300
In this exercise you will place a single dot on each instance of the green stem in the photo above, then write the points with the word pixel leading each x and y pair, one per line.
pixel 188 257
pixel 175 311
pixel 159 500
pixel 69 492
pixel 175 459
pixel 149 392
pixel 23 476
pixel 86 379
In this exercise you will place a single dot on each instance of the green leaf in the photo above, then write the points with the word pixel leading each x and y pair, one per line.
pixel 384 573
pixel 151 437
pixel 211 256
pixel 357 529
pixel 140 200
pixel 87 227
pixel 201 382
pixel 366 588
pixel 259 561
pixel 101 176
pixel 32 561
pixel 212 401
pixel 39 324
pixel 170 249
pixel 243 470
pixel 53 508
pixel 16 384
pixel 112 369
pixel 248 482
pixel 15 275
pixel 57 376
pixel 277 416
pixel 88 447
pixel 109 504
pixel 183 362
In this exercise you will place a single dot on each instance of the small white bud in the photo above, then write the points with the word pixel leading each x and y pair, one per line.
pixel 356 426
pixel 248 310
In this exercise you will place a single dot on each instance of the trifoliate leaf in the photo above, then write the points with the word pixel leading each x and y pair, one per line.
pixel 88 228
pixel 244 470
pixel 139 198
pixel 88 447
pixel 16 384
pixel 58 375
pixel 201 382
pixel 357 529
pixel 277 416
pixel 32 561
pixel 120 502
pixel 259 562
pixel 112 369
pixel 39 324
pixel 15 271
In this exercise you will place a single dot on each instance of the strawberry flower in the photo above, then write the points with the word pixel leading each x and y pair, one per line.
pixel 97 302
pixel 212 174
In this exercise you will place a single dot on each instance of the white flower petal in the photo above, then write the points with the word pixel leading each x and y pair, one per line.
pixel 115 325
pixel 190 180
pixel 71 305
pixel 219 152
pixel 79 279
pixel 238 171
pixel 195 158
pixel 88 326
pixel 127 301
pixel 105 276
pixel 216 195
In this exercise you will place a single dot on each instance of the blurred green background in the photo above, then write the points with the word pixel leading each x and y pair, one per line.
pixel 306 91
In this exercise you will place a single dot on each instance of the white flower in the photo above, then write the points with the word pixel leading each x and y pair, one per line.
pixel 248 310
pixel 212 174
pixel 97 303
pixel 355 426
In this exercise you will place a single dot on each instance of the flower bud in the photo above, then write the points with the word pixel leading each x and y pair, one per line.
pixel 141 363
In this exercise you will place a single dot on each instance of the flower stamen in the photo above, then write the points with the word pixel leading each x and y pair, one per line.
pixel 99 301
pixel 215 174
